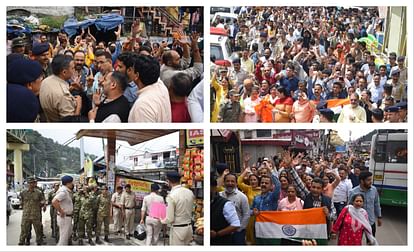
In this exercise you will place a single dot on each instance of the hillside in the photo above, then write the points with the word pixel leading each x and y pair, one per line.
pixel 49 157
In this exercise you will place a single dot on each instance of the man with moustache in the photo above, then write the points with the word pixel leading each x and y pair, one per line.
pixel 241 203
pixel 114 107
pixel 62 202
pixel 55 97
pixel 40 53
pixel 125 65
pixel 268 199
pixel 81 70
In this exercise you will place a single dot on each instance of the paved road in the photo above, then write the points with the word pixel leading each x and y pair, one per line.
pixel 394 227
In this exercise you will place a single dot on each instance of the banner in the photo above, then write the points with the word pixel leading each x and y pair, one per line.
pixel 272 226
pixel 141 188
pixel 195 137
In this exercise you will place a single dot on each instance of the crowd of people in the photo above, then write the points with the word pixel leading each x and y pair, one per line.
pixel 341 187
pixel 78 212
pixel 307 65
pixel 132 79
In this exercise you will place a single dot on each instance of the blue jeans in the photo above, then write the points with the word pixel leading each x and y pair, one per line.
pixel 239 238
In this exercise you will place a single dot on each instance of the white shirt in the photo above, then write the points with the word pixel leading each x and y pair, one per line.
pixel 242 206
pixel 149 199
pixel 341 191
pixel 63 195
pixel 152 105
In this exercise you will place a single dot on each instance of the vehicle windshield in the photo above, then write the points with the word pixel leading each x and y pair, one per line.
pixel 391 152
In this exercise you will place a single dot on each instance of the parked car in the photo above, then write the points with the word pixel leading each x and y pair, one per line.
pixel 14 199
pixel 220 45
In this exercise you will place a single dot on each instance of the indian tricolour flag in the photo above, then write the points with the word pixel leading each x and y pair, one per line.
pixel 272 226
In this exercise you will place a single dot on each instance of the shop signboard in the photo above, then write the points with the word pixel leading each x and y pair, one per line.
pixel 195 137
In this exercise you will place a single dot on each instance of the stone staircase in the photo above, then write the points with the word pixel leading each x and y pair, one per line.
pixel 168 23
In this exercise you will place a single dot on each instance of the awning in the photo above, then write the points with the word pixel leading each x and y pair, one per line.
pixel 133 137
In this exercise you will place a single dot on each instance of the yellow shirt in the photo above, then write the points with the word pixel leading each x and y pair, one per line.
pixel 220 94
pixel 248 190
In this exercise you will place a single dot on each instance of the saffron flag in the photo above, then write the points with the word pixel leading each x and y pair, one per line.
pixel 273 226
pixel 332 103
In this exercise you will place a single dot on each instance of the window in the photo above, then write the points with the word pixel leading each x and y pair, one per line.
pixel 154 159
pixel 248 134
pixel 264 133
pixel 391 152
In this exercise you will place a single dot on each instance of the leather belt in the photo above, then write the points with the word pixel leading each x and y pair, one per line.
pixel 182 225
pixel 129 207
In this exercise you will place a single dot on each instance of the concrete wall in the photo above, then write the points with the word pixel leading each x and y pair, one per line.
pixel 46 10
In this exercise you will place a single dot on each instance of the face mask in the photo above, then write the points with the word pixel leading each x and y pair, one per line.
pixel 230 190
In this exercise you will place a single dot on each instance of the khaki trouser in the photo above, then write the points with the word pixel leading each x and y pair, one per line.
pixel 26 229
pixel 153 227
pixel 117 215
pixel 65 230
pixel 105 221
pixel 181 235
pixel 129 221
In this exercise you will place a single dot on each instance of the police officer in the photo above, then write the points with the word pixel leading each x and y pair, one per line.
pixel 179 211
pixel 86 216
pixel 53 214
pixel 104 206
pixel 32 201
pixel 231 110
pixel 128 210
pixel 117 209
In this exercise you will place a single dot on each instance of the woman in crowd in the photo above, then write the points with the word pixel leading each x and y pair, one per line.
pixel 221 88
pixel 267 105
pixel 249 104
pixel 303 110
pixel 352 223
pixel 283 106
pixel 251 190
pixel 291 201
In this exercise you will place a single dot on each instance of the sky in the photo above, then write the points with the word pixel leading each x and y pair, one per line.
pixel 355 133
pixel 94 145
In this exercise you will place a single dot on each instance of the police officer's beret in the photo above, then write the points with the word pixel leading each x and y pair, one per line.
pixel 39 48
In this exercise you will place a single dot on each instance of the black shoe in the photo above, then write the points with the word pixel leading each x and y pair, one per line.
pixel 91 242
pixel 27 243
pixel 20 244
pixel 80 241
pixel 106 239
pixel 98 241
pixel 41 243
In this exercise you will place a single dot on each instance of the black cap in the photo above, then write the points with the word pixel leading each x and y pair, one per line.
pixel 173 175
pixel 154 187
pixel 327 113
pixel 401 105
pixel 39 48
pixel 391 109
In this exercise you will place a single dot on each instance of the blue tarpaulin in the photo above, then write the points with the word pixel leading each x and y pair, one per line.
pixel 104 23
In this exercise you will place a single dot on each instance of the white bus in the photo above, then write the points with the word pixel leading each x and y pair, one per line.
pixel 388 164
